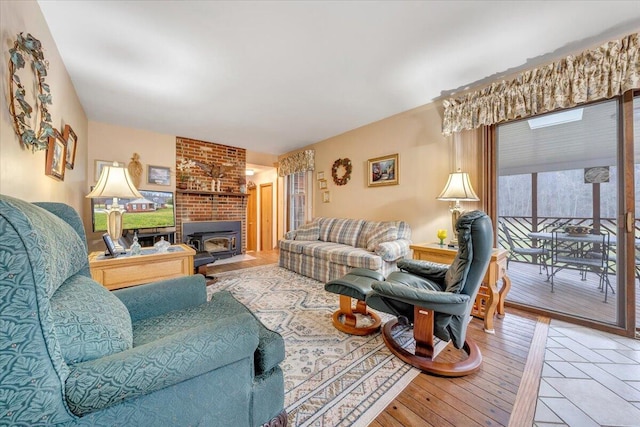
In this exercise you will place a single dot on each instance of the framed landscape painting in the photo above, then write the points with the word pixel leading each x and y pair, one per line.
pixel 159 175
pixel 383 171
pixel 101 164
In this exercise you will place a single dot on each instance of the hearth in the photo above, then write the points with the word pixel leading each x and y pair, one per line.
pixel 222 239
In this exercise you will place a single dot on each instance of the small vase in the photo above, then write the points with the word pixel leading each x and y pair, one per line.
pixel 182 185
pixel 441 242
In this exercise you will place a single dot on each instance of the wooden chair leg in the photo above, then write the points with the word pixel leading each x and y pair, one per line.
pixel 344 319
pixel 426 351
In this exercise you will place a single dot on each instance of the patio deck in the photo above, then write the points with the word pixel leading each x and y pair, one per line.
pixel 571 295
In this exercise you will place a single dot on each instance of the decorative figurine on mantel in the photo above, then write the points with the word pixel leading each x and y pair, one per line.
pixel 135 169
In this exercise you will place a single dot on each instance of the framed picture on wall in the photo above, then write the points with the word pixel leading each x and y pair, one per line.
pixel 71 139
pixel 99 164
pixel 158 175
pixel 322 184
pixel 56 157
pixel 383 171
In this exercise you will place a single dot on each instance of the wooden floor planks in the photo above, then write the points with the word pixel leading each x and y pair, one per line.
pixel 485 398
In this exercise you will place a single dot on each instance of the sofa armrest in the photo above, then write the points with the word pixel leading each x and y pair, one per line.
pixel 393 250
pixel 101 383
pixel 155 299
pixel 290 235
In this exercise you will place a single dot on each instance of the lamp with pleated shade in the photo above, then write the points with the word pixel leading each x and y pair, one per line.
pixel 458 189
pixel 114 182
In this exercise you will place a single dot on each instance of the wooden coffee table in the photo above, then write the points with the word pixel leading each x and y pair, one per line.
pixel 126 270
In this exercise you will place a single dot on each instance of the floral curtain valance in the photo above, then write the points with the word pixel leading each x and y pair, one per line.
pixel 600 73
pixel 301 161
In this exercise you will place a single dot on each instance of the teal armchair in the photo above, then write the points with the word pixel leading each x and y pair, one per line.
pixel 74 354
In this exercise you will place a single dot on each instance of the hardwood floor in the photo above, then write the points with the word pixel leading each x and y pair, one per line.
pixel 485 398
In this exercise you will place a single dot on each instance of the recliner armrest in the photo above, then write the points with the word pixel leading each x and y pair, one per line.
pixel 104 382
pixel 442 302
pixel 430 270
pixel 155 299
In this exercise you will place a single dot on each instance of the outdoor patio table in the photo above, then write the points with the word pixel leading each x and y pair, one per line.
pixel 577 251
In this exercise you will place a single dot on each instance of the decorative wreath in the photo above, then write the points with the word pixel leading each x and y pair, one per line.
pixel 346 164
pixel 18 106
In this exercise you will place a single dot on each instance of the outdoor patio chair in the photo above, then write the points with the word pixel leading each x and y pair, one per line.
pixel 525 247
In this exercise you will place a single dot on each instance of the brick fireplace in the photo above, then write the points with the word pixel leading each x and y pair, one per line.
pixel 198 202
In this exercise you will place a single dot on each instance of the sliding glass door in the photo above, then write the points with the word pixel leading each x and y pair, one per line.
pixel 558 190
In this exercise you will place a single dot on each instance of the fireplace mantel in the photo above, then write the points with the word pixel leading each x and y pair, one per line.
pixel 211 193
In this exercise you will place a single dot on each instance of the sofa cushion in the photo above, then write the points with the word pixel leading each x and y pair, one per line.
pixel 345 231
pixel 308 232
pixel 404 231
pixel 321 250
pixel 325 227
pixel 90 322
pixel 355 257
pixel 385 232
pixel 294 246
pixel 366 229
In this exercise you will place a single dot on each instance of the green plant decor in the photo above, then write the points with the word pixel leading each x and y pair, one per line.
pixel 20 109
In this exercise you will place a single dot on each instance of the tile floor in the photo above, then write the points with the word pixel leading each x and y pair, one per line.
pixel 590 378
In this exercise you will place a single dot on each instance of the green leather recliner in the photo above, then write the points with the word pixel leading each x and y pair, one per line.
pixel 437 299
pixel 74 354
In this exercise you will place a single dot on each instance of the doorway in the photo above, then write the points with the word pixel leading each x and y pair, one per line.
pixel 252 220
pixel 266 216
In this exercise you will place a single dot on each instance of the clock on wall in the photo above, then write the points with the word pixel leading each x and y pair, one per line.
pixel 596 175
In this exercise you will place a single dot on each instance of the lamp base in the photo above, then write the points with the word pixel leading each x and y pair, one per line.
pixel 456 210
pixel 114 224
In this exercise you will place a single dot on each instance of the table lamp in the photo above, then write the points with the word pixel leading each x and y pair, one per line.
pixel 115 182
pixel 458 189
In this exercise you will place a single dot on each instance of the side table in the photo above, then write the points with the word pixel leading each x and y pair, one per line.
pixel 489 300
pixel 126 270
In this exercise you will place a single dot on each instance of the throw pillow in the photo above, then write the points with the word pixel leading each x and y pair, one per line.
pixel 380 234
pixel 308 232
pixel 90 322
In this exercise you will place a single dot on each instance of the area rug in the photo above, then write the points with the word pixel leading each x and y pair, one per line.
pixel 331 378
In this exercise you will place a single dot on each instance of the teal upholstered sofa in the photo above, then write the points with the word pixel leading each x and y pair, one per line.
pixel 74 354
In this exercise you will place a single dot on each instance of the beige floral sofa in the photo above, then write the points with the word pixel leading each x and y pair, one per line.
pixel 328 248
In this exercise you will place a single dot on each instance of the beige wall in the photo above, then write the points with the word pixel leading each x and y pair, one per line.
pixel 425 160
pixel 21 171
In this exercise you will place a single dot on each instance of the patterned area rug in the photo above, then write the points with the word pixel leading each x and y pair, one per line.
pixel 331 378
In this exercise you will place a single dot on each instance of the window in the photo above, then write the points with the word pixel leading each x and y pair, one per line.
pixel 297 190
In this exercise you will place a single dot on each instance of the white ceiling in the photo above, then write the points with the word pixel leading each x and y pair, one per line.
pixel 273 76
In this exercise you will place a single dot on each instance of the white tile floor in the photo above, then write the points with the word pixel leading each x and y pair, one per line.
pixel 589 378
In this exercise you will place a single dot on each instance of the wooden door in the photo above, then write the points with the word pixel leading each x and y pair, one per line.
pixel 266 216
pixel 252 220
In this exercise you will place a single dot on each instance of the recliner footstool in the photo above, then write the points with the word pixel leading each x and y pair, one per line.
pixel 355 284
